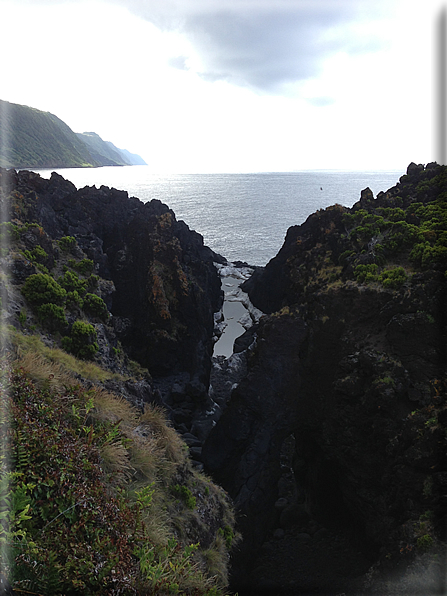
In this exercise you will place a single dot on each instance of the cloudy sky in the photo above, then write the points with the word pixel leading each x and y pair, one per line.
pixel 233 85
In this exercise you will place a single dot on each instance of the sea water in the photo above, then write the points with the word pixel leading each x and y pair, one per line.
pixel 243 217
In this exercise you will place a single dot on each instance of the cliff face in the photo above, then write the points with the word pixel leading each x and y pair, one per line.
pixel 35 139
pixel 349 368
pixel 165 286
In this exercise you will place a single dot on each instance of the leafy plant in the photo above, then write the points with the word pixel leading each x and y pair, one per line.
pixel 95 306
pixel 71 283
pixel 393 278
pixel 67 243
pixel 52 316
pixel 85 266
pixel 185 494
pixel 41 288
pixel 82 340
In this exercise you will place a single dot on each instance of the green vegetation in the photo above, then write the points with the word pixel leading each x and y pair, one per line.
pixel 41 288
pixel 85 507
pixel 95 306
pixel 67 243
pixel 39 139
pixel 34 139
pixel 71 283
pixel 85 266
pixel 185 494
pixel 52 317
pixel 82 340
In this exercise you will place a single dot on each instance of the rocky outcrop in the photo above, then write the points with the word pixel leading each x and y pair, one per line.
pixel 165 286
pixel 350 367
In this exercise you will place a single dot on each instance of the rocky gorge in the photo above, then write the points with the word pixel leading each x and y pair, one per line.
pixel 327 425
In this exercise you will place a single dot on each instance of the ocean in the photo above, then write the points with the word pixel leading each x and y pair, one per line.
pixel 243 217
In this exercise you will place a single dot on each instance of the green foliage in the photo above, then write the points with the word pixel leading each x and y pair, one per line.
pixel 8 231
pixel 73 300
pixel 425 542
pixel 52 316
pixel 389 278
pixel 170 567
pixel 393 278
pixel 71 283
pixel 67 531
pixel 36 255
pixel 342 259
pixel 66 525
pixel 366 273
pixel 85 266
pixel 228 535
pixel 82 341
pixel 33 138
pixel 184 493
pixel 41 288
pixel 95 306
pixel 22 316
pixel 67 243
pixel 92 282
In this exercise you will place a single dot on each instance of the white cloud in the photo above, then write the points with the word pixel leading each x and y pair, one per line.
pixel 218 86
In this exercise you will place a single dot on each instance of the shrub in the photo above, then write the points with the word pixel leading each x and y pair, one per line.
pixel 67 243
pixel 343 258
pixel 393 278
pixel 95 306
pixel 425 542
pixel 82 340
pixel 84 267
pixel 37 255
pixel 71 282
pixel 185 495
pixel 41 288
pixel 52 316
pixel 73 300
pixel 366 273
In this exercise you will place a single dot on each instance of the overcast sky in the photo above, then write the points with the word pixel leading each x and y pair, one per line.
pixel 233 85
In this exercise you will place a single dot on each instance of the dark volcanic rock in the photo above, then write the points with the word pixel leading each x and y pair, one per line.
pixel 355 373
pixel 166 286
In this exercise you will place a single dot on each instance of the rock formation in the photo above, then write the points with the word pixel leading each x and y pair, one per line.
pixel 349 364
pixel 164 287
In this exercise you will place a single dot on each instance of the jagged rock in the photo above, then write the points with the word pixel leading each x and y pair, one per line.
pixel 354 371
pixel 163 287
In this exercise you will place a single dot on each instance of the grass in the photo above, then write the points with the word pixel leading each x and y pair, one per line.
pixel 67 362
pixel 74 445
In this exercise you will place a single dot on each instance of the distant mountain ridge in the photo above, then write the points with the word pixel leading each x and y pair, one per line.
pixel 105 151
pixel 31 138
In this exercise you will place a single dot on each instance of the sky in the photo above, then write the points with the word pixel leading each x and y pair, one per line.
pixel 234 85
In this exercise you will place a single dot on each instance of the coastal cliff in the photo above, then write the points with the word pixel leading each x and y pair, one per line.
pixel 107 329
pixel 345 391
pixel 332 438
pixel 35 139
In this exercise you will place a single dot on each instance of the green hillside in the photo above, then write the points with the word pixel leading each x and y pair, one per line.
pixel 103 152
pixel 31 138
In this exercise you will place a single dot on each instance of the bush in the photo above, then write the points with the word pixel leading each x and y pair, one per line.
pixel 393 278
pixel 82 340
pixel 52 316
pixel 84 267
pixel 41 288
pixel 366 273
pixel 67 243
pixel 71 282
pixel 183 493
pixel 95 306
pixel 73 300
pixel 37 255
